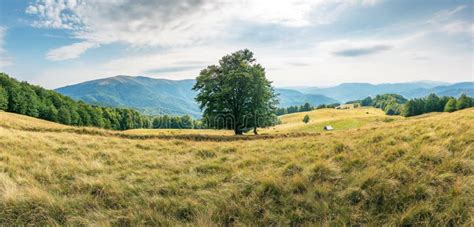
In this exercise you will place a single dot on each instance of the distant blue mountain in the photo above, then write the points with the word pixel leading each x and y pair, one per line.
pixel 455 90
pixel 353 91
pixel 289 97
pixel 159 96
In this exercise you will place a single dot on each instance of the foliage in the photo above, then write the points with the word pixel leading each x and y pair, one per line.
pixel 394 104
pixel 35 101
pixel 294 109
pixel 306 119
pixel 450 105
pixel 390 103
pixel 367 102
pixel 235 94
pixel 175 122
pixel 464 102
pixel 433 103
pixel 303 108
pixel 3 98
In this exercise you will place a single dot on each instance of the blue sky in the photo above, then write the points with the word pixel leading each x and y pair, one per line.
pixel 299 42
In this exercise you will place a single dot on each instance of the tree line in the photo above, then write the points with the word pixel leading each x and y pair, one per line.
pixel 394 104
pixel 303 108
pixel 433 103
pixel 23 98
pixel 176 122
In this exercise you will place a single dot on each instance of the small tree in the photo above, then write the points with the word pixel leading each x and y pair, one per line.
pixel 409 109
pixel 432 104
pixel 306 119
pixel 186 122
pixel 450 105
pixel 307 107
pixel 367 102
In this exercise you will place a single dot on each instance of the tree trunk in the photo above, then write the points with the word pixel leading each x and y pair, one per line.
pixel 237 131
pixel 255 131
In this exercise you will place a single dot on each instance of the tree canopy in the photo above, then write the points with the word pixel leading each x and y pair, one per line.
pixel 394 104
pixel 23 98
pixel 450 105
pixel 306 119
pixel 235 94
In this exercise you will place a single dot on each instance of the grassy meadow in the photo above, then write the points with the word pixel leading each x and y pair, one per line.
pixel 371 170
pixel 339 119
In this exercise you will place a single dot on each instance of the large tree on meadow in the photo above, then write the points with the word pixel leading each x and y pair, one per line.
pixel 235 94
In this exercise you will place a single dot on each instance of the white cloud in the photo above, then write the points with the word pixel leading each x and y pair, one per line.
pixel 365 46
pixel 4 59
pixel 193 34
pixel 69 52
pixel 445 15
pixel 445 21
pixel 456 27
pixel 55 14
pixel 177 23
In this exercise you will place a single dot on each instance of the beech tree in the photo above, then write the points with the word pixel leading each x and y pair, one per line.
pixel 235 94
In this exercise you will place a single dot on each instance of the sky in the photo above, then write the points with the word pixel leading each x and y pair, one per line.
pixel 54 43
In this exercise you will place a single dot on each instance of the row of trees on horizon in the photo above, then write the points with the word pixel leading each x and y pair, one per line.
pixel 303 108
pixel 394 104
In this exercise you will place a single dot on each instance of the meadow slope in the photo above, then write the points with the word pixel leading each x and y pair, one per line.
pixel 376 171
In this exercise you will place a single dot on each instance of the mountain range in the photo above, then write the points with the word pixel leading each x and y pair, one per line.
pixel 160 96
pixel 354 91
pixel 176 97
pixel 147 95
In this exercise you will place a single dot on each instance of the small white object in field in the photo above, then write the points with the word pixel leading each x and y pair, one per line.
pixel 328 128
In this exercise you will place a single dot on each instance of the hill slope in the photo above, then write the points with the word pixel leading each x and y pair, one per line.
pixel 148 95
pixel 416 171
pixel 289 97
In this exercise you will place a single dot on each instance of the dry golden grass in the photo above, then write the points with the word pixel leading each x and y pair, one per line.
pixel 339 119
pixel 179 132
pixel 410 171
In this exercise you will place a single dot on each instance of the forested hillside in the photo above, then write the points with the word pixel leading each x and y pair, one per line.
pixel 34 101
